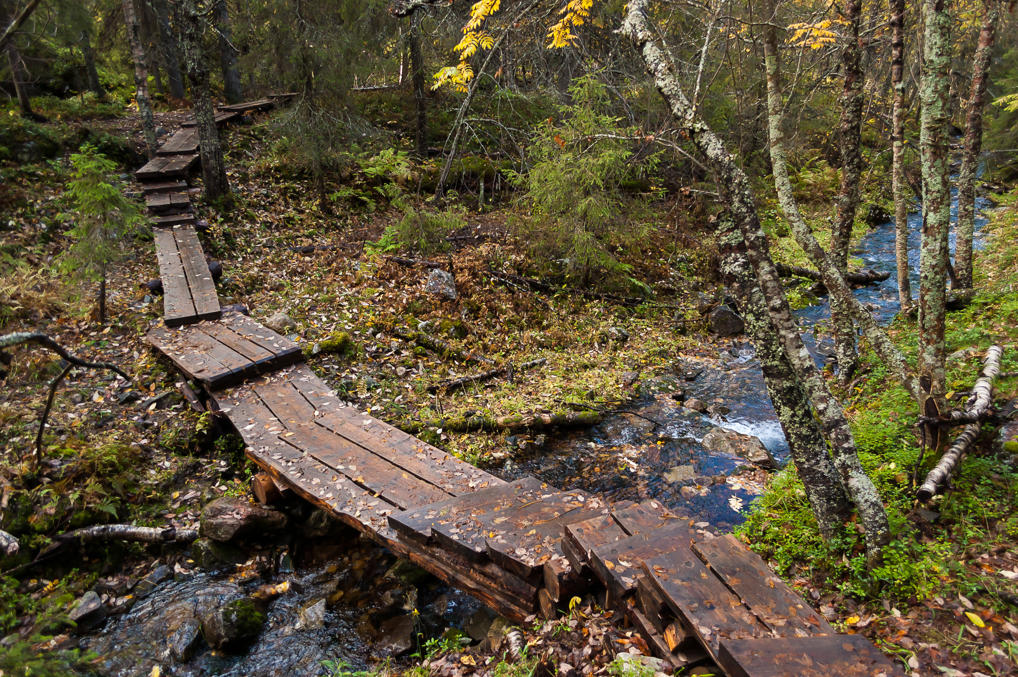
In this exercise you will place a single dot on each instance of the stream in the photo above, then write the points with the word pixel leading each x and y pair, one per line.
pixel 654 449
pixel 350 602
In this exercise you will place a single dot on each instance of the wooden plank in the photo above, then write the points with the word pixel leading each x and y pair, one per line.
pixel 178 306
pixel 248 105
pixel 254 331
pixel 767 596
pixel 220 118
pixel 167 202
pixel 184 140
pixel 418 524
pixel 682 657
pixel 267 349
pixel 173 186
pixel 467 534
pixel 230 338
pixel 367 470
pixel 424 461
pixel 617 564
pixel 582 537
pixel 178 165
pixel 830 656
pixel 642 518
pixel 200 356
pixel 524 539
pixel 199 279
pixel 701 600
pixel 170 220
pixel 154 169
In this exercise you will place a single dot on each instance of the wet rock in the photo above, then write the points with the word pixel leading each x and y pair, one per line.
pixel 724 321
pixel 318 524
pixel 630 378
pixel 396 635
pixel 680 474
pixel 210 555
pixel 233 624
pixel 312 615
pixel 718 410
pixel 215 269
pixel 687 491
pixel 617 334
pixel 227 518
pixel 666 384
pixel 746 446
pixel 183 641
pixel 280 323
pixel 88 611
pixel 638 664
pixel 695 404
pixel 479 622
pixel 154 578
pixel 441 283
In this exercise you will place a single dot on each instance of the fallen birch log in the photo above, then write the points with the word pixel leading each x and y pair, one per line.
pixel 456 383
pixel 511 423
pixel 120 532
pixel 852 277
pixel 937 478
pixel 439 346
pixel 977 407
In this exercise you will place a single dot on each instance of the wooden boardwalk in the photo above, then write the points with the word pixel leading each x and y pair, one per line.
pixel 522 547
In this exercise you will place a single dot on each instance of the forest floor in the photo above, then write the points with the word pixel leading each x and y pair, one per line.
pixel 138 453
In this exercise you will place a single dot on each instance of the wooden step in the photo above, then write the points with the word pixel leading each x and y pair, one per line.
pixel 219 353
pixel 172 186
pixel 167 203
pixel 189 294
pixel 182 142
pixel 260 104
pixel 164 167
pixel 221 118
pixel 170 220
pixel 617 564
pixel 830 656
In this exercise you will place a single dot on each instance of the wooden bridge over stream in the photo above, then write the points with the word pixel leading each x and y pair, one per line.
pixel 521 547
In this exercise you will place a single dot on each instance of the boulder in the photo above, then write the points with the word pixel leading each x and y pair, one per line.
pixel 395 636
pixel 227 518
pixel 746 446
pixel 183 641
pixel 312 615
pixel 695 404
pixel 680 474
pixel 88 611
pixel 280 322
pixel 211 555
pixel 724 321
pixel 233 624
pixel 441 283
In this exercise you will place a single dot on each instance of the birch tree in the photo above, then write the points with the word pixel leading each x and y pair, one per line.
pixel 148 124
pixel 973 144
pixel 898 181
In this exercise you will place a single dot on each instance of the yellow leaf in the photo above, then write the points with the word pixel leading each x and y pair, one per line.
pixel 155 671
pixel 976 620
pixel 852 620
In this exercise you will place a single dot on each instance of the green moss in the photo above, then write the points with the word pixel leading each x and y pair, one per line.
pixel 334 343
pixel 243 615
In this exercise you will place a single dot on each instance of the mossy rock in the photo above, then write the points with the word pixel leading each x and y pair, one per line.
pixel 234 624
pixel 335 343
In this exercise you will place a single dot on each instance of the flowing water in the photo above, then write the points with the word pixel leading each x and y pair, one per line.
pixel 654 449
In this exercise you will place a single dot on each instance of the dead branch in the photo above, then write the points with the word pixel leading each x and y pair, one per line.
pixel 125 532
pixel 456 383
pixel 45 341
pixel 410 263
pixel 937 478
pixel 977 407
pixel 439 346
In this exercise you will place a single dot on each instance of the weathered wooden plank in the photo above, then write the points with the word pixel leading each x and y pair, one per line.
pixel 643 518
pixel 701 600
pixel 184 140
pixel 199 279
pixel 166 222
pixel 178 165
pixel 418 524
pixel 767 596
pixel 178 307
pixel 278 393
pixel 524 539
pixel 258 333
pixel 467 535
pixel 617 564
pixel 200 356
pixel 229 337
pixel 174 186
pixel 828 656
pixel 430 464
pixel 582 537
pixel 154 169
pixel 220 118
pixel 685 656
pixel 367 470
pixel 163 203
pixel 244 106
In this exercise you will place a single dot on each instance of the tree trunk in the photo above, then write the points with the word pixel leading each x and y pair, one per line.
pixel 148 123
pixel 849 136
pixel 737 194
pixel 217 186
pixel 16 21
pixel 227 55
pixel 933 253
pixel 899 183
pixel 824 489
pixel 417 77
pixel 973 144
pixel 91 74
pixel 832 278
pixel 20 78
pixel 168 48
